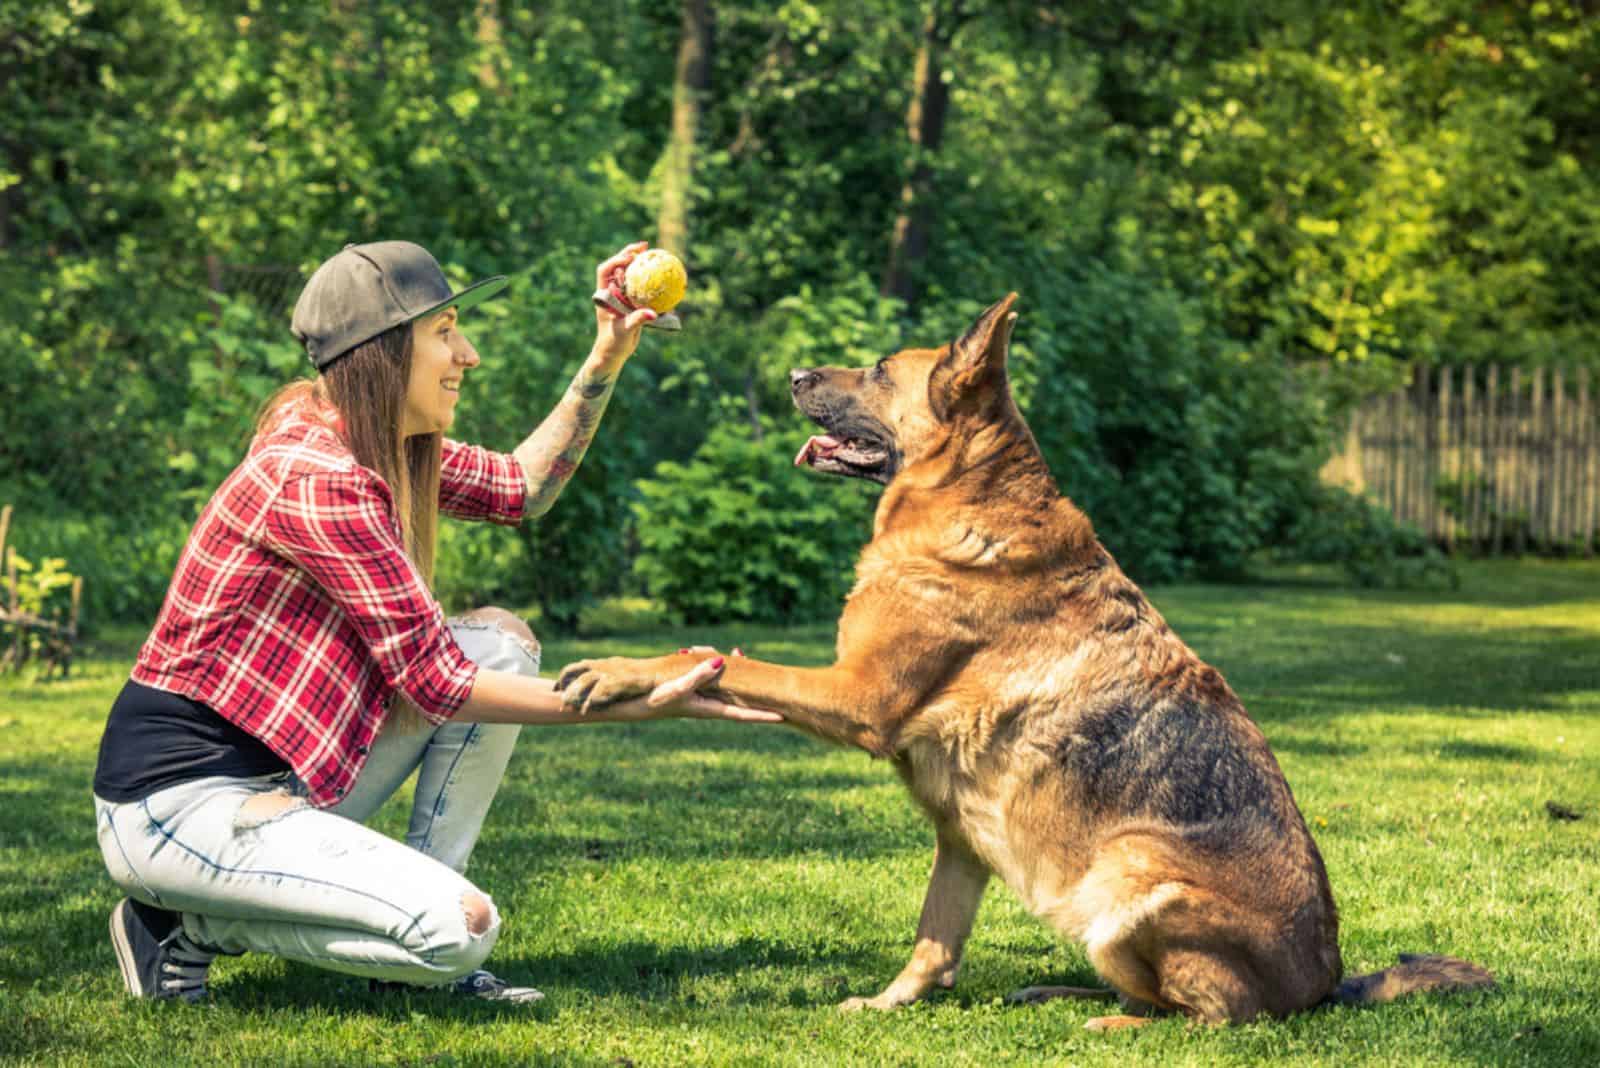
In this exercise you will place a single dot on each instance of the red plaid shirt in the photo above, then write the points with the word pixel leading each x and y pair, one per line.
pixel 295 612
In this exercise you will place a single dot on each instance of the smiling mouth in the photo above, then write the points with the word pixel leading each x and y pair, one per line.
pixel 857 457
pixel 451 387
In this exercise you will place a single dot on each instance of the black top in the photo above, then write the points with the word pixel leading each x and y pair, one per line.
pixel 155 739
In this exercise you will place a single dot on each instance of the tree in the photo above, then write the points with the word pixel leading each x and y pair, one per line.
pixel 925 120
pixel 691 82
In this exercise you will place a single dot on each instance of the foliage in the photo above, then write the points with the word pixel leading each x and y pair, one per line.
pixel 37 590
pixel 37 582
pixel 1196 201
pixel 1182 449
pixel 1374 549
pixel 622 615
pixel 229 380
pixel 736 533
pixel 1383 185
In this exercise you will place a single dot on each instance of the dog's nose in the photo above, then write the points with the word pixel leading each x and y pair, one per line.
pixel 799 380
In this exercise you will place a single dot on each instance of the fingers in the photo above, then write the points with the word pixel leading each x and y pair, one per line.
pixel 711 708
pixel 702 674
pixel 620 261
pixel 637 319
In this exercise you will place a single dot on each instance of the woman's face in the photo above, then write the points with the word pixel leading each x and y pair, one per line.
pixel 440 356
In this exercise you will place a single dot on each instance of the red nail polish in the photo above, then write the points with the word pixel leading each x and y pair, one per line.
pixel 737 651
pixel 717 663
pixel 683 650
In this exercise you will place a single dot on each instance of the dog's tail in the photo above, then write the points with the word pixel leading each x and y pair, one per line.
pixel 1415 973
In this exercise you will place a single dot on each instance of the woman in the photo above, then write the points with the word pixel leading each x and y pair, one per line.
pixel 301 669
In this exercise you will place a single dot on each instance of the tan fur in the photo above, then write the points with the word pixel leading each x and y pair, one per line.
pixel 1045 717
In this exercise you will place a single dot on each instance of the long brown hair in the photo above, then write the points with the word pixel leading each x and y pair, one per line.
pixel 368 387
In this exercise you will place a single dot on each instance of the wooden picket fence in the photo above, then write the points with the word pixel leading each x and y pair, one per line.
pixel 1485 458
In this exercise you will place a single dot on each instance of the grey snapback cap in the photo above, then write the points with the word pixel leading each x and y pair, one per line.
pixel 364 290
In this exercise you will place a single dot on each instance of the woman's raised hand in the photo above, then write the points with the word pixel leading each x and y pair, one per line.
pixel 616 336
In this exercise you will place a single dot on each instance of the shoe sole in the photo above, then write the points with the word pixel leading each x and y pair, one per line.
pixel 528 997
pixel 125 961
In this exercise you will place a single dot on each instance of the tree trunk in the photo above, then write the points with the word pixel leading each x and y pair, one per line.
pixel 925 119
pixel 689 86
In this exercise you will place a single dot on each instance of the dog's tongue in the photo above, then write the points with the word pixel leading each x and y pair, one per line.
pixel 818 446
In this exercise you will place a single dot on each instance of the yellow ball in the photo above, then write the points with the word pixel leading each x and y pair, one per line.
pixel 655 280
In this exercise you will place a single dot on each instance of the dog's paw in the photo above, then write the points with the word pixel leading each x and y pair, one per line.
pixel 1103 1024
pixel 591 684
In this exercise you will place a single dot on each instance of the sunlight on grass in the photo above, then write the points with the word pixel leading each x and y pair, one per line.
pixel 695 893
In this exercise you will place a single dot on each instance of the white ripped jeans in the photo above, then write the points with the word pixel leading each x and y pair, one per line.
pixel 314 885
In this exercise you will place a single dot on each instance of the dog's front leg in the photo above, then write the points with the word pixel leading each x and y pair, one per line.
pixel 954 890
pixel 845 703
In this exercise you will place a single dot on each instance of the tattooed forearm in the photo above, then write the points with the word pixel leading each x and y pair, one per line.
pixel 552 453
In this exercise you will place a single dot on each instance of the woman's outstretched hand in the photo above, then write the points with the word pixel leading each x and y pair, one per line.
pixel 616 336
pixel 682 697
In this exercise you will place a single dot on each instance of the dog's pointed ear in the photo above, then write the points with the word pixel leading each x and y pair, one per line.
pixel 987 339
pixel 976 355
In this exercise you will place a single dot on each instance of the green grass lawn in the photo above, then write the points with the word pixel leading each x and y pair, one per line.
pixel 692 893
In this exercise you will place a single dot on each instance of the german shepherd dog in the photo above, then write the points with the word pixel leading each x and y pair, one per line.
pixel 1049 722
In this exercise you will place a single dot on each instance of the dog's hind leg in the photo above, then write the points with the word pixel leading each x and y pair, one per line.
pixel 1173 951
pixel 954 890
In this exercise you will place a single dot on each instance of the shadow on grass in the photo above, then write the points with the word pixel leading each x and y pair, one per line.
pixel 681 791
pixel 1342 669
pixel 647 972
pixel 1508 582
pixel 1304 668
pixel 1316 747
pixel 48 850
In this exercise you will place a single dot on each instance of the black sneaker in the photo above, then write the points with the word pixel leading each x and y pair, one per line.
pixel 482 984
pixel 157 959
pixel 478 984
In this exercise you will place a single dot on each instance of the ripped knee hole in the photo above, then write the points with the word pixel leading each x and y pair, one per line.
pixel 511 624
pixel 264 808
pixel 479 911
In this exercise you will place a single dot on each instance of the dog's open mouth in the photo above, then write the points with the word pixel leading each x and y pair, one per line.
pixel 855 456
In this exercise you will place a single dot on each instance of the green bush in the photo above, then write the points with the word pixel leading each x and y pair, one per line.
pixel 42 593
pixel 477 564
pixel 38 582
pixel 1187 452
pixel 738 533
pixel 126 562
pixel 1374 549
pixel 622 615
